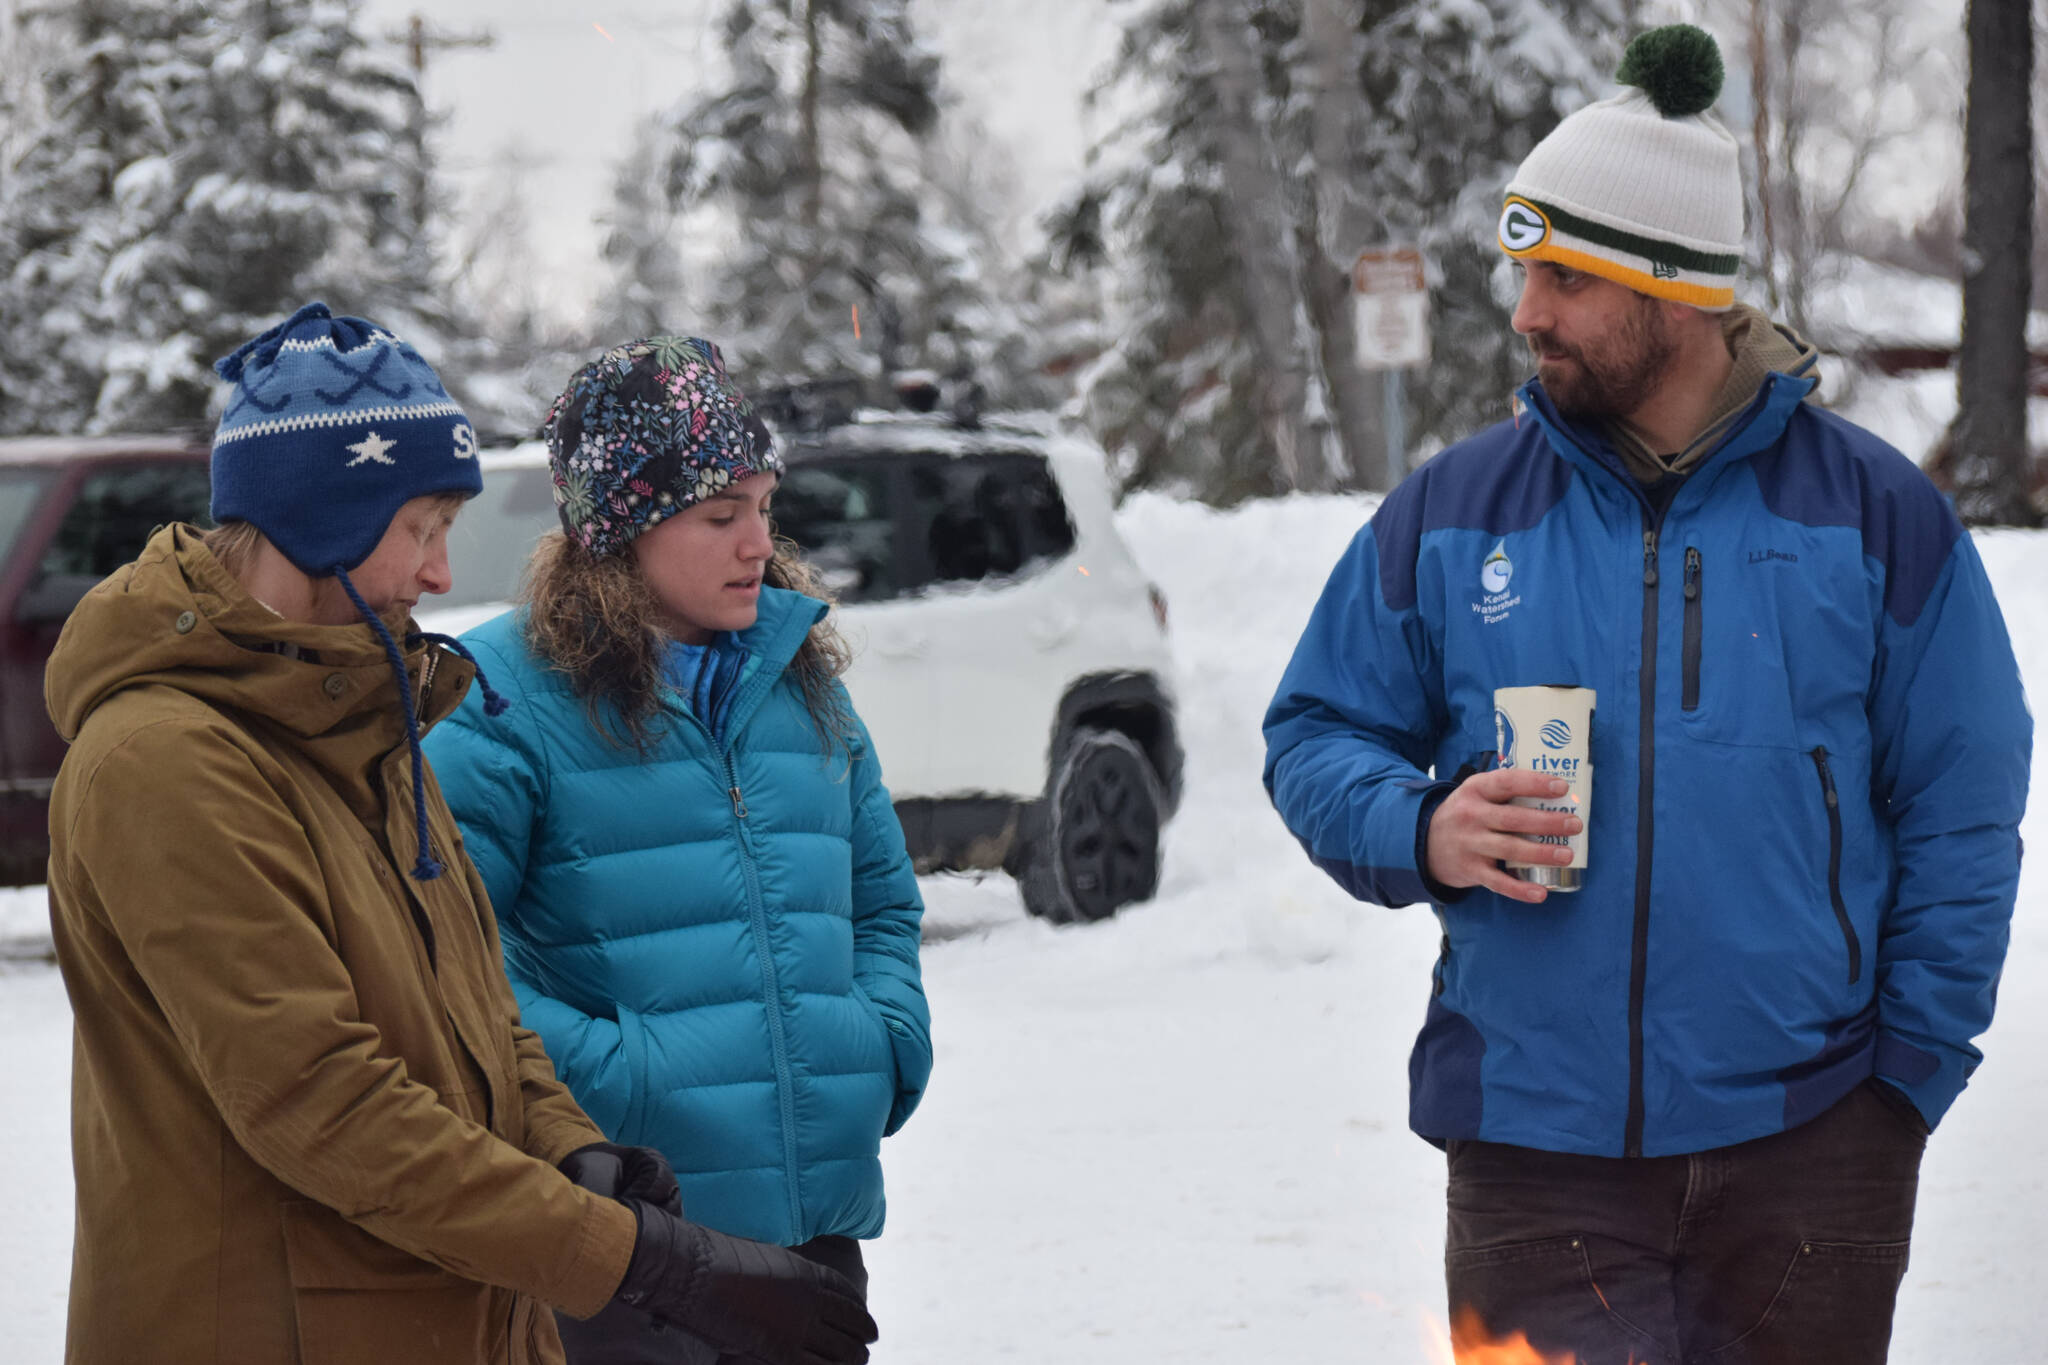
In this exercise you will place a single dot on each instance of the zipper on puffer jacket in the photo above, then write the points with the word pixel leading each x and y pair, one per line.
pixel 1834 805
pixel 778 1040
pixel 1646 758
pixel 1690 700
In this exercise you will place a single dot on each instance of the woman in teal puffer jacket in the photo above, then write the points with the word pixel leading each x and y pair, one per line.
pixel 707 910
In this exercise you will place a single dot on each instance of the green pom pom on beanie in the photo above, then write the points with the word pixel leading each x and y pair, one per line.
pixel 1678 66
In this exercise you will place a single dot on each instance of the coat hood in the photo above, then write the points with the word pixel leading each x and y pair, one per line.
pixel 176 617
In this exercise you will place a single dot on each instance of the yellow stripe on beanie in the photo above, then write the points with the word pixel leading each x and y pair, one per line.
pixel 1642 281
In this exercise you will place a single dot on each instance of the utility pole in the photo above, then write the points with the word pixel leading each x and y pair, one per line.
pixel 420 40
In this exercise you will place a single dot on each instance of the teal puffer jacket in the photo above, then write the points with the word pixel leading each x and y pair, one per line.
pixel 717 945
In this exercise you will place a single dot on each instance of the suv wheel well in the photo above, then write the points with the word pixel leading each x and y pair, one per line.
pixel 1134 704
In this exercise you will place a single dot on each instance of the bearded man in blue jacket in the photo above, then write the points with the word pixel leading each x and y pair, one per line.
pixel 1684 1104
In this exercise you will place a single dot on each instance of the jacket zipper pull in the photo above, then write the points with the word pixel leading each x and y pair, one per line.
pixel 1827 779
pixel 1692 573
pixel 1649 559
pixel 739 803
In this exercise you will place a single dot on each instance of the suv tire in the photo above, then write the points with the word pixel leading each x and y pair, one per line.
pixel 1095 848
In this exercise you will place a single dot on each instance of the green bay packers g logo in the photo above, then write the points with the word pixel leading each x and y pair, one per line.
pixel 1522 227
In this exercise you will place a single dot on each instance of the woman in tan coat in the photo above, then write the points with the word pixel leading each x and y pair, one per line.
pixel 307 1125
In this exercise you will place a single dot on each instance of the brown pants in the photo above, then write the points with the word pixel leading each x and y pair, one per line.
pixel 1787 1250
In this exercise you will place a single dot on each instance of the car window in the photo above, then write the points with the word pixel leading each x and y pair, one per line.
pixel 20 490
pixel 1048 531
pixel 494 535
pixel 840 513
pixel 986 516
pixel 116 510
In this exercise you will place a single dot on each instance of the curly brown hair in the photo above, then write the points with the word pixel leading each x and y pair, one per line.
pixel 594 618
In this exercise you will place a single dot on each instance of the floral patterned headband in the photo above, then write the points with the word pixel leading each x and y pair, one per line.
pixel 645 430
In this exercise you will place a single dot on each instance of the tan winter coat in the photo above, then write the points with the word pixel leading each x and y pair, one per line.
pixel 306 1123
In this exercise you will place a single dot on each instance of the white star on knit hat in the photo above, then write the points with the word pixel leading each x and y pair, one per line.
pixel 371 448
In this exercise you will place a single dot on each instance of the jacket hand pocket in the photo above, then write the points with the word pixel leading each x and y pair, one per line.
pixel 881 1027
pixel 910 1062
pixel 357 1298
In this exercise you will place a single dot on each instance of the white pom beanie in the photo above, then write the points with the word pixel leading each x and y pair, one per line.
pixel 1644 189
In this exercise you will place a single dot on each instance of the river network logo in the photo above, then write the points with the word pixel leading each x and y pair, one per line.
pixel 1556 734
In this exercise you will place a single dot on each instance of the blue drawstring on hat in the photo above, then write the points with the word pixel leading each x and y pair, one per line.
pixel 426 869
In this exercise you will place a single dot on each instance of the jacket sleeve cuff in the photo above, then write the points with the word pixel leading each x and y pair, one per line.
pixel 598 1257
pixel 1395 819
pixel 913 1073
pixel 1431 799
pixel 557 1140
pixel 1930 1079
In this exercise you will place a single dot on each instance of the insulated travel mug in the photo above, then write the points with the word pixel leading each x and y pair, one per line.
pixel 1549 730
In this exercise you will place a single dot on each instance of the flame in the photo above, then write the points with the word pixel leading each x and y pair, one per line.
pixel 856 322
pixel 1469 1343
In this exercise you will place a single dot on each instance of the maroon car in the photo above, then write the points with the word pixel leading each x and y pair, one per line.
pixel 72 510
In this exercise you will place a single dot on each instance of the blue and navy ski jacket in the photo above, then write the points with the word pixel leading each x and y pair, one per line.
pixel 1810 753
pixel 717 941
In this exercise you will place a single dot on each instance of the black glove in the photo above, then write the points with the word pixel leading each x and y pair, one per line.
pixel 624 1173
pixel 744 1297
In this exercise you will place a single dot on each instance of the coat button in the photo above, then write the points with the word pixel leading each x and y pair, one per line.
pixel 186 620
pixel 896 1026
pixel 334 686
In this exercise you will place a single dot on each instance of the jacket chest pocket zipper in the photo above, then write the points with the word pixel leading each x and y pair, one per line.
pixel 1834 805
pixel 1691 695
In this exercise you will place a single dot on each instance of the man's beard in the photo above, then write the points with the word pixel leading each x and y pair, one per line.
pixel 1610 376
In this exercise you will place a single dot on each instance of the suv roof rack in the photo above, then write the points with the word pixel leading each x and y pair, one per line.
pixel 812 404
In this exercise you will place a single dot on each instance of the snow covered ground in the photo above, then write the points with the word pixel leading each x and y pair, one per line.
pixel 1180 1136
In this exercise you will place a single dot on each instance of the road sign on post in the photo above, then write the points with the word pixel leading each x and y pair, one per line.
pixel 1392 302
pixel 1391 312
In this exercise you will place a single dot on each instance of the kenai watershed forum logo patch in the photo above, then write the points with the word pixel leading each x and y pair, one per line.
pixel 1495 572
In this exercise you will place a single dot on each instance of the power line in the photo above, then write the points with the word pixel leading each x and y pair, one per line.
pixel 419 40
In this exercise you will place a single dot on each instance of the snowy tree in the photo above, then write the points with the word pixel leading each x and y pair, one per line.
pixel 205 167
pixel 1456 96
pixel 513 353
pixel 25 51
pixel 1206 385
pixel 1271 141
pixel 848 251
pixel 1834 87
pixel 639 247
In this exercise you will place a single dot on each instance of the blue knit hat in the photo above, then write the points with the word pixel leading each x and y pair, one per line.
pixel 645 430
pixel 334 424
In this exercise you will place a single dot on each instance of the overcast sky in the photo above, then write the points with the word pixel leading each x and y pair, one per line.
pixel 562 85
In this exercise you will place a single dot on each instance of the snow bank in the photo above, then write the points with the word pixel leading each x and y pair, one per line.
pixel 1181 1135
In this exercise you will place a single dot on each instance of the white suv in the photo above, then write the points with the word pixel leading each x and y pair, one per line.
pixel 1010 658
